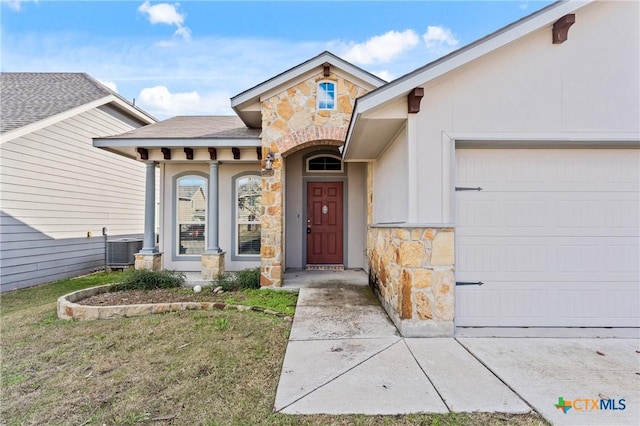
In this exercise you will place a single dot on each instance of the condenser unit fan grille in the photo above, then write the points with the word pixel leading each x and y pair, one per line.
pixel 122 252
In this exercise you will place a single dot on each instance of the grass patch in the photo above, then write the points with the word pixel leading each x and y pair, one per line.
pixel 17 300
pixel 181 368
pixel 276 300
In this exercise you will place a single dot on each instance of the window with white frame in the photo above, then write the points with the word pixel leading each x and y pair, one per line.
pixel 192 215
pixel 326 96
pixel 324 163
pixel 248 190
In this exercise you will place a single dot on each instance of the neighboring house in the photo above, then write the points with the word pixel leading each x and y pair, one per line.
pixel 57 191
pixel 513 162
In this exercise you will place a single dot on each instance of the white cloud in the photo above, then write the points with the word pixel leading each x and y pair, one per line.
pixel 159 100
pixel 439 39
pixel 184 32
pixel 110 84
pixel 381 49
pixel 214 68
pixel 165 13
pixel 384 74
pixel 16 5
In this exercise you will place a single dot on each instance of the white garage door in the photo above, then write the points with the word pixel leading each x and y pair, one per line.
pixel 554 235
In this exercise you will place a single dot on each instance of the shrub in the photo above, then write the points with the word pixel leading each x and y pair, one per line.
pixel 247 278
pixel 226 281
pixel 143 279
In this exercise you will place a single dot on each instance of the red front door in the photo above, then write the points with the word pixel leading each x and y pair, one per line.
pixel 324 223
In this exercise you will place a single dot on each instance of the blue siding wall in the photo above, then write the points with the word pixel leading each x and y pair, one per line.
pixel 28 257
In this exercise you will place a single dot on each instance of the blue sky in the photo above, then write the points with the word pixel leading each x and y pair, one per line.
pixel 189 58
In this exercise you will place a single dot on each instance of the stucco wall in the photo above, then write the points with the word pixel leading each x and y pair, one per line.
pixel 357 215
pixel 390 182
pixel 294 212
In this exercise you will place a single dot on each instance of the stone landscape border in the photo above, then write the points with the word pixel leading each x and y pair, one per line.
pixel 69 310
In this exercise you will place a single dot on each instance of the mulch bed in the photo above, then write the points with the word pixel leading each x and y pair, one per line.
pixel 135 297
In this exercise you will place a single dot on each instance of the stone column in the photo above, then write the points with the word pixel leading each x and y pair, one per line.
pixel 272 247
pixel 213 258
pixel 149 257
pixel 412 272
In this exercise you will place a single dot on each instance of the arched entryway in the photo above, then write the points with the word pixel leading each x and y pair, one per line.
pixel 325 210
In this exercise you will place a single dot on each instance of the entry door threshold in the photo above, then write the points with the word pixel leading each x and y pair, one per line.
pixel 324 268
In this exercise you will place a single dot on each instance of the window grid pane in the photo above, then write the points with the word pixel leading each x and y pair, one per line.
pixel 326 95
pixel 248 211
pixel 192 204
pixel 325 164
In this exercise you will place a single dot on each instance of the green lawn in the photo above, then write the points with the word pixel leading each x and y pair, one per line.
pixel 183 368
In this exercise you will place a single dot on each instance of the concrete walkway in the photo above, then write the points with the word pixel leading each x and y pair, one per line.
pixel 346 357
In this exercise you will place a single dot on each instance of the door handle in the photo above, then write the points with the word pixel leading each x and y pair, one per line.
pixel 308 229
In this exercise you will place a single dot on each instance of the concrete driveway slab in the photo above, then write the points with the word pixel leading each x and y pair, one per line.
pixel 577 370
pixel 309 365
pixel 390 382
pixel 463 382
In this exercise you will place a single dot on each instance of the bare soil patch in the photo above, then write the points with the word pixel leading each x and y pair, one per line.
pixel 135 297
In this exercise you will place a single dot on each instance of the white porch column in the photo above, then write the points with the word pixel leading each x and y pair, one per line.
pixel 149 245
pixel 213 258
pixel 213 245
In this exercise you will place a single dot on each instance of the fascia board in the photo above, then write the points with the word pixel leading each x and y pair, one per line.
pixel 175 143
pixel 54 119
pixel 136 112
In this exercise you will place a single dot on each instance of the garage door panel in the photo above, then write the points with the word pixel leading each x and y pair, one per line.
pixel 580 170
pixel 554 235
pixel 538 209
pixel 564 232
pixel 548 255
pixel 561 304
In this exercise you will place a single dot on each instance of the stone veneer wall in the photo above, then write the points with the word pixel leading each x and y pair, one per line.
pixel 151 262
pixel 412 271
pixel 291 122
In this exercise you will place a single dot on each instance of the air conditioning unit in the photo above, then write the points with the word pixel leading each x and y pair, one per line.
pixel 121 252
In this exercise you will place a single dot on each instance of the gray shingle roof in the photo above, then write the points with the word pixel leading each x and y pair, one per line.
pixel 29 97
pixel 190 127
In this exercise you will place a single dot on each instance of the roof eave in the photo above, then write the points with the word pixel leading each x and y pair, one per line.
pixel 40 124
pixel 254 94
pixel 282 78
pixel 506 35
pixel 176 142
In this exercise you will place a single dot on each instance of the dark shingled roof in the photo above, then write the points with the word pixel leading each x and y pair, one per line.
pixel 193 127
pixel 27 97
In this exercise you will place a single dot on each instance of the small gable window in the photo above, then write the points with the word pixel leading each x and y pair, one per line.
pixel 324 163
pixel 326 95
